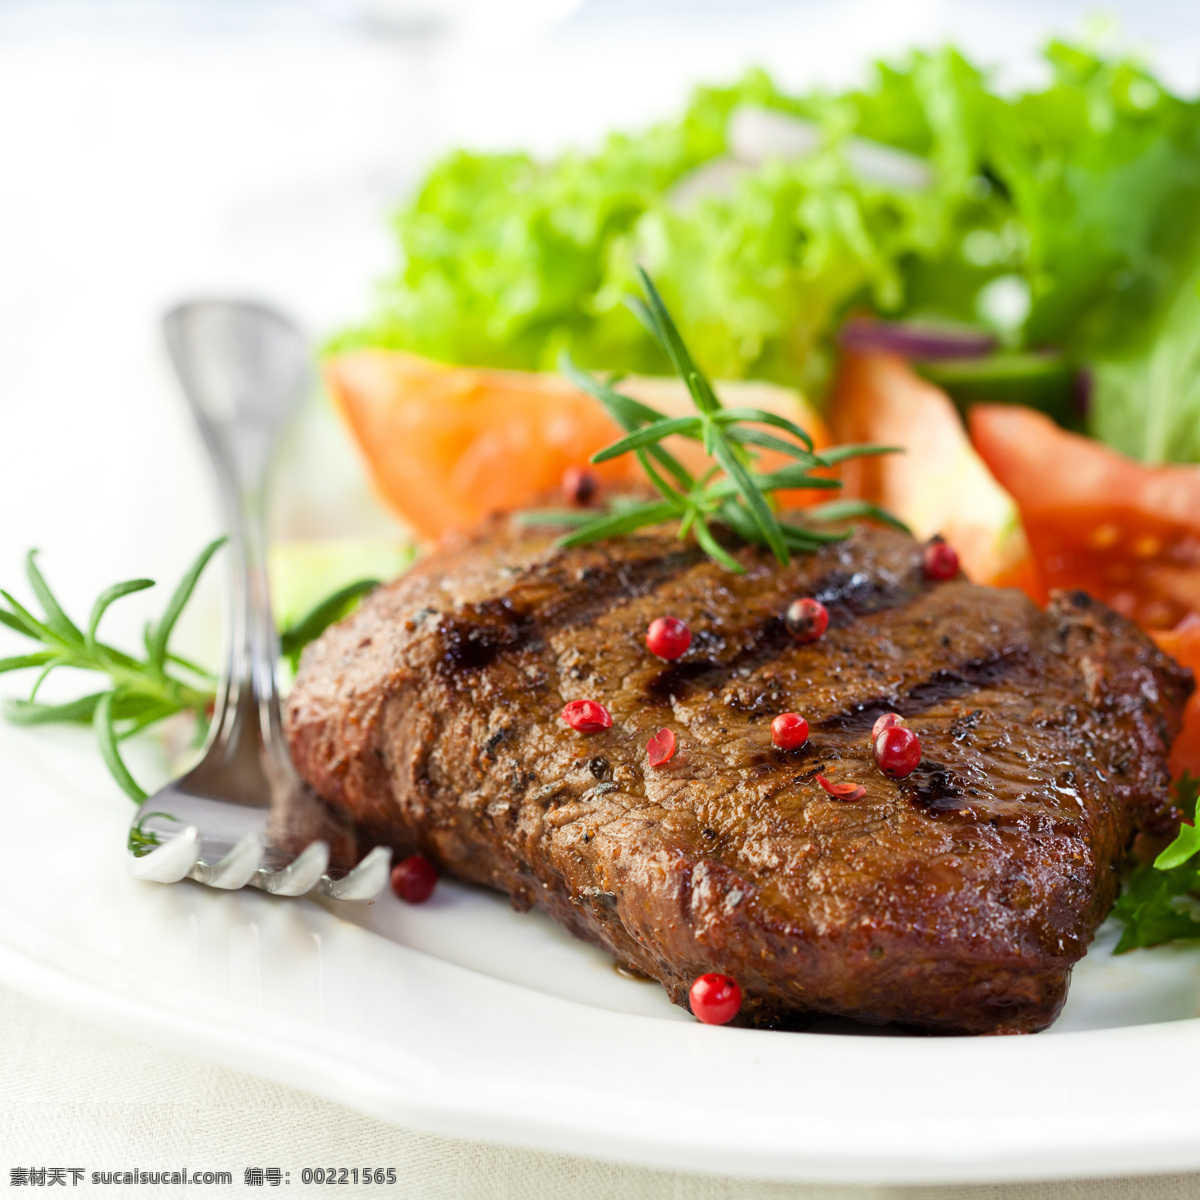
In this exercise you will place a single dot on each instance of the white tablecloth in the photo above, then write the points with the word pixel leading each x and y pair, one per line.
pixel 73 1095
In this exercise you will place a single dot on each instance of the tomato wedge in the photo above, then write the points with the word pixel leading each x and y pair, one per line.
pixel 1183 644
pixel 1126 532
pixel 939 485
pixel 447 445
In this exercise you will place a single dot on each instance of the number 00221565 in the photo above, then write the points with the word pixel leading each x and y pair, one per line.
pixel 346 1175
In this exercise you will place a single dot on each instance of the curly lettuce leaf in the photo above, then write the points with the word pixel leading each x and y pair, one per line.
pixel 1066 218
pixel 1146 401
pixel 506 261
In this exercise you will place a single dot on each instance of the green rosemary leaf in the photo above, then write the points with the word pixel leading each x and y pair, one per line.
pixel 729 436
pixel 801 537
pixel 555 516
pixel 129 705
pixel 22 620
pixel 142 841
pixel 626 411
pixel 179 598
pixel 768 441
pixel 649 435
pixel 839 510
pixel 837 454
pixel 649 314
pixel 678 353
pixel 56 620
pixel 140 692
pixel 760 416
pixel 37 683
pixel 80 711
pixel 187 664
pixel 20 661
pixel 318 619
pixel 107 597
pixel 738 519
pixel 645 317
pixel 151 716
pixel 708 430
pixel 663 487
pixel 713 548
pixel 132 703
pixel 107 658
pixel 786 478
pixel 619 524
pixel 764 518
pixel 630 414
pixel 14 623
pixel 795 479
pixel 106 736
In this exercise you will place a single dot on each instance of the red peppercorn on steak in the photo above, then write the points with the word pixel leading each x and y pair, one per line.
pixel 954 899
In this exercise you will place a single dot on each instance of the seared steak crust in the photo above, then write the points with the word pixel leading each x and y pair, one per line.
pixel 955 900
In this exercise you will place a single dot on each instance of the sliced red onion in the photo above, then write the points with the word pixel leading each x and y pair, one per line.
pixel 914 340
pixel 1083 387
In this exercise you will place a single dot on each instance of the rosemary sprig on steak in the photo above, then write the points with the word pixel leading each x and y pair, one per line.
pixel 732 493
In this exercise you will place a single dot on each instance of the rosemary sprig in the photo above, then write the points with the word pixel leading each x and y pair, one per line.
pixel 732 494
pixel 138 691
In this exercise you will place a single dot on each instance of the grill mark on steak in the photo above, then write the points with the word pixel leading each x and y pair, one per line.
pixel 578 594
pixel 942 685
pixel 473 639
pixel 934 787
pixel 475 636
pixel 846 594
pixel 956 900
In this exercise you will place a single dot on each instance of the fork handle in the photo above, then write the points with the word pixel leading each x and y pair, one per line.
pixel 253 640
pixel 243 368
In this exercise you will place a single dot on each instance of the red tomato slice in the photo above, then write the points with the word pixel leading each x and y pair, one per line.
pixel 1126 532
pixel 1183 644
pixel 446 445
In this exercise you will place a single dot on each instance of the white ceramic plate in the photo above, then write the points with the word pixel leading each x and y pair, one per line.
pixel 465 1017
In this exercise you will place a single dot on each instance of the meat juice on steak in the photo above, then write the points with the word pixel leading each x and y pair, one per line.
pixel 956 899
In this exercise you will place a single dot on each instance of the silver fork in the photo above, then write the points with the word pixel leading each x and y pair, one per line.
pixel 238 816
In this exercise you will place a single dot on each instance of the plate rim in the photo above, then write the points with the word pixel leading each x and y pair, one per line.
pixel 1165 1141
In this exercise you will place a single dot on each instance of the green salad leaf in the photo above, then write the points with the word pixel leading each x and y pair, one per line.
pixel 1161 901
pixel 1066 218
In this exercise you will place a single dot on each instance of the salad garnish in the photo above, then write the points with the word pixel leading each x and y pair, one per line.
pixel 731 492
pixel 1062 220
pixel 1159 902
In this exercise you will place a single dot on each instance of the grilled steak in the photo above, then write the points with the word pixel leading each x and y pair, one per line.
pixel 956 899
